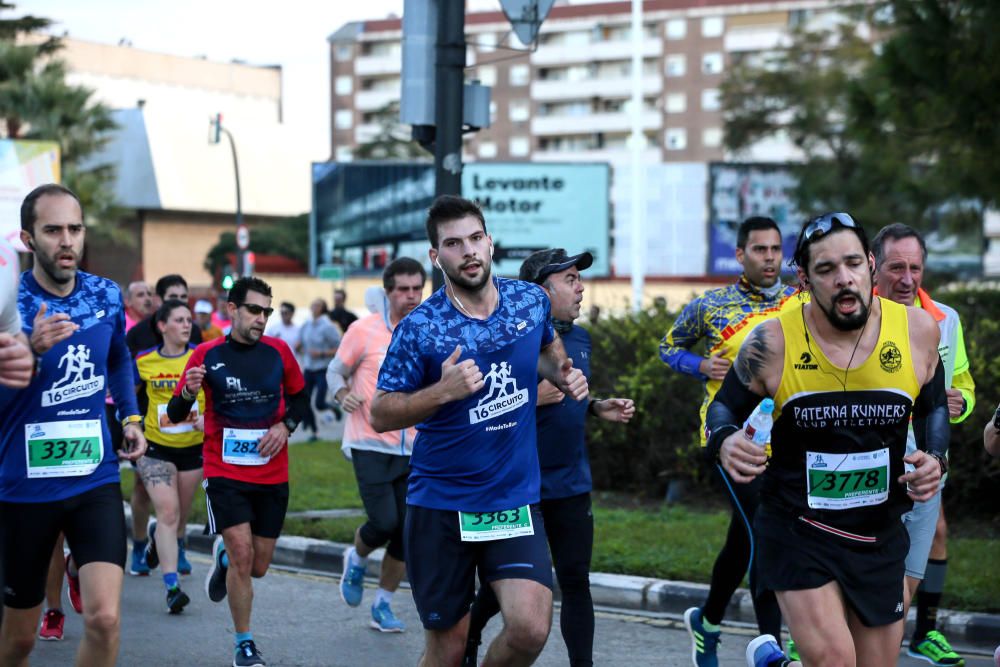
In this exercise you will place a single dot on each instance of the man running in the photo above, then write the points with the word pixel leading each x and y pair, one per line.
pixel 58 470
pixel 900 255
pixel 830 542
pixel 474 481
pixel 254 398
pixel 340 314
pixel 138 303
pixel 318 341
pixel 565 465
pixel 203 318
pixel 381 460
pixel 723 317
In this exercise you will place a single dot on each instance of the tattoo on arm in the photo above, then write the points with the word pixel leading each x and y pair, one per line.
pixel 753 355
pixel 155 471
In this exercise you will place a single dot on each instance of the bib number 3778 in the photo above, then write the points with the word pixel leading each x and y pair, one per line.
pixel 843 481
pixel 502 525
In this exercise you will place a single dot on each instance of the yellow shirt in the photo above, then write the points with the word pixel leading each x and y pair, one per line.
pixel 160 375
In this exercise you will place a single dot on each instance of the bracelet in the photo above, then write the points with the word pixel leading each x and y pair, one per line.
pixel 186 395
pixel 131 419
pixel 590 406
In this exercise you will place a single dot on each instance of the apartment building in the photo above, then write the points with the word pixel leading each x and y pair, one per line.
pixel 568 100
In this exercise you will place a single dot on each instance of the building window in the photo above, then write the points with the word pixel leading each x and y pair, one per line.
pixel 344 154
pixel 487 149
pixel 343 52
pixel 493 112
pixel 677 28
pixel 343 85
pixel 711 137
pixel 520 146
pixel 520 75
pixel 520 110
pixel 343 119
pixel 676 103
pixel 486 42
pixel 712 26
pixel 676 64
pixel 710 99
pixel 487 75
pixel 676 138
pixel 711 63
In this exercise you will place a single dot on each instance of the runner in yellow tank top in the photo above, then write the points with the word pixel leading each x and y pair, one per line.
pixel 846 372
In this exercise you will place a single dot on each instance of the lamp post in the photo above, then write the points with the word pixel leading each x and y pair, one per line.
pixel 243 267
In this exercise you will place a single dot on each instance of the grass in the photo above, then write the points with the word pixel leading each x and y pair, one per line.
pixel 677 542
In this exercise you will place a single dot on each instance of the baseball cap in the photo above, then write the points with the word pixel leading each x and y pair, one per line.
pixel 540 265
pixel 203 306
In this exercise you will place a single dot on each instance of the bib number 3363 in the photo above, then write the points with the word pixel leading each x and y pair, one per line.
pixel 843 481
pixel 502 525
pixel 239 446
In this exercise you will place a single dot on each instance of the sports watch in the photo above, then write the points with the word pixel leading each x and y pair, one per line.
pixel 290 424
pixel 131 419
pixel 942 461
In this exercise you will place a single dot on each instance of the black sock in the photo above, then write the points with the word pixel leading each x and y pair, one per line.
pixel 929 597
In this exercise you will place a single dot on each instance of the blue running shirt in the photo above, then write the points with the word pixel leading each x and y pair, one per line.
pixel 61 413
pixel 477 454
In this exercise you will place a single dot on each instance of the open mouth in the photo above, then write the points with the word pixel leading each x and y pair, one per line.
pixel 847 304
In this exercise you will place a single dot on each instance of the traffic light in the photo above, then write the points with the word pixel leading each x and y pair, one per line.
pixel 215 129
pixel 228 277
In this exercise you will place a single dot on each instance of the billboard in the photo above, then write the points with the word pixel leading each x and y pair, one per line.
pixel 365 214
pixel 24 165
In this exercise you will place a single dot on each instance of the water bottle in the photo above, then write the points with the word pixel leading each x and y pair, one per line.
pixel 758 427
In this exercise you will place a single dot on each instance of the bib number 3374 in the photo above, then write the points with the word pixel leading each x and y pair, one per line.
pixel 502 525
pixel 843 481
pixel 63 449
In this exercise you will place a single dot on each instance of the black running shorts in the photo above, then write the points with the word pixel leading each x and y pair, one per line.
pixel 183 458
pixel 231 502
pixel 94 525
pixel 442 568
pixel 794 555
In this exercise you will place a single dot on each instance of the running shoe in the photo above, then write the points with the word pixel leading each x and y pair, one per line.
pixel 471 657
pixel 176 600
pixel 792 652
pixel 935 649
pixel 704 644
pixel 352 580
pixel 384 620
pixel 52 626
pixel 996 656
pixel 247 655
pixel 138 567
pixel 183 565
pixel 151 557
pixel 73 588
pixel 765 651
pixel 215 581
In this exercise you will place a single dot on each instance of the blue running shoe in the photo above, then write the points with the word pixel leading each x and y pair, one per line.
pixel 704 644
pixel 152 556
pixel 352 580
pixel 138 567
pixel 384 620
pixel 765 651
pixel 215 581
pixel 183 565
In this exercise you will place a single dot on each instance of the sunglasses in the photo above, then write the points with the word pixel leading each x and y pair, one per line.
pixel 821 226
pixel 254 309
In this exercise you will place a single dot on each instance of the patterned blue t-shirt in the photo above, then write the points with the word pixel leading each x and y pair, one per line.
pixel 54 438
pixel 477 454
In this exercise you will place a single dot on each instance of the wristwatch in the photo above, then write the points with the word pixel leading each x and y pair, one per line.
pixel 996 419
pixel 131 419
pixel 942 461
pixel 290 424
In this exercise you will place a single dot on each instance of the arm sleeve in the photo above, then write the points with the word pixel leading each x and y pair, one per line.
pixel 179 407
pixel 120 369
pixel 292 379
pixel 961 378
pixel 297 405
pixel 931 426
pixel 732 405
pixel 684 334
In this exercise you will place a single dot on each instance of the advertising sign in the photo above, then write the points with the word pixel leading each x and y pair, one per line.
pixel 24 165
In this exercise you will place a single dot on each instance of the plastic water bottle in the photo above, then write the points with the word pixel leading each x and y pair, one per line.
pixel 758 427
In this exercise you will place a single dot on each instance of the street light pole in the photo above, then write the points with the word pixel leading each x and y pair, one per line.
pixel 242 267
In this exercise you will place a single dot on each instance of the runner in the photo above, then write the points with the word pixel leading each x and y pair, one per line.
pixel 254 399
pixel 381 460
pixel 203 318
pixel 318 340
pixel 171 468
pixel 58 471
pixel 900 254
pixel 286 329
pixel 845 371
pixel 474 481
pixel 562 452
pixel 138 303
pixel 723 317
pixel 340 315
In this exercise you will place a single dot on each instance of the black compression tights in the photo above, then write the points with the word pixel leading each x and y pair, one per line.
pixel 569 526
pixel 734 558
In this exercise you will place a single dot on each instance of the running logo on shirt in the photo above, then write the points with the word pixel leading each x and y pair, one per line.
pixel 78 381
pixel 502 394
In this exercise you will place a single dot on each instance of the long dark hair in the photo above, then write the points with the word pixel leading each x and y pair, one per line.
pixel 162 314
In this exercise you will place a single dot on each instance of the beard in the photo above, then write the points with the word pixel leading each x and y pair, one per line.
pixel 471 284
pixel 841 322
pixel 56 273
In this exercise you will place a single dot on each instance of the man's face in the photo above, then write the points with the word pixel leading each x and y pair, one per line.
pixel 177 291
pixel 57 238
pixel 286 315
pixel 204 320
pixel 761 259
pixel 339 298
pixel 316 307
pixel 464 252
pixel 902 270
pixel 405 295
pixel 249 319
pixel 565 290
pixel 140 299
pixel 839 279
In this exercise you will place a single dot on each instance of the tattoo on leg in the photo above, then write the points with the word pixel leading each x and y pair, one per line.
pixel 155 471
pixel 753 355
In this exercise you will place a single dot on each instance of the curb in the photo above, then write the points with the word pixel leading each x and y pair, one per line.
pixel 618 591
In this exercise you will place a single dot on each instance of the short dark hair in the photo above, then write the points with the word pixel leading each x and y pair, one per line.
pixel 238 292
pixel 447 208
pixel 28 213
pixel 168 281
pixel 162 314
pixel 402 265
pixel 288 305
pixel 754 224
pixel 897 231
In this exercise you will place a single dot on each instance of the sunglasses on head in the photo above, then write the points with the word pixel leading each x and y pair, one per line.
pixel 254 309
pixel 821 226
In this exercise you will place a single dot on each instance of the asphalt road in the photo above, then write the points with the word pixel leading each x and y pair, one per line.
pixel 299 619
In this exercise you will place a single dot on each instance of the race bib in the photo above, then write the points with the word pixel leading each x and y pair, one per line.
pixel 239 446
pixel 486 526
pixel 843 481
pixel 63 449
pixel 167 426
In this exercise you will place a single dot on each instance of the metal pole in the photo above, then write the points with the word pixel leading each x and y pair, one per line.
pixel 638 143
pixel 239 201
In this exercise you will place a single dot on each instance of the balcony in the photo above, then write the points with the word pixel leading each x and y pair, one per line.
pixel 542 91
pixel 611 155
pixel 617 122
pixel 763 38
pixel 372 100
pixel 617 50
pixel 382 64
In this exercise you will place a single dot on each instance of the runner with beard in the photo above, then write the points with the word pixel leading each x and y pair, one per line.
pixel 463 367
pixel 830 540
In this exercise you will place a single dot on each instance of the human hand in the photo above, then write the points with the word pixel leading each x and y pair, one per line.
pixel 615 409
pixel 135 442
pixel 193 379
pixel 351 402
pixel 272 441
pixel 925 478
pixel 548 393
pixel 714 367
pixel 17 363
pixel 742 458
pixel 956 402
pixel 459 380
pixel 573 382
pixel 49 331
